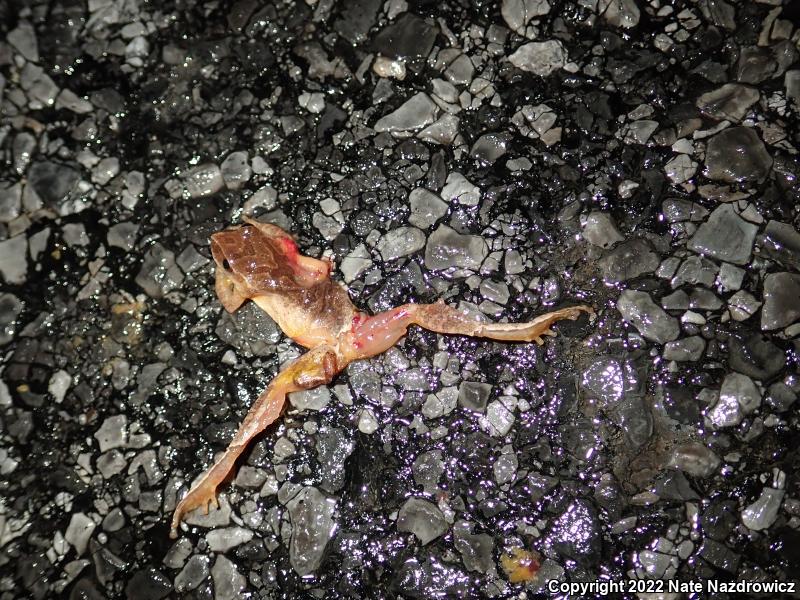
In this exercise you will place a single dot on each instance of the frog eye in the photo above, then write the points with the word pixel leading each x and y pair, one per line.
pixel 226 265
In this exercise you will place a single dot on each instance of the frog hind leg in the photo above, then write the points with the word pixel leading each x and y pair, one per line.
pixel 230 299
pixel 376 334
pixel 444 319
pixel 316 367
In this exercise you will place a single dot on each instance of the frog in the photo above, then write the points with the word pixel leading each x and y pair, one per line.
pixel 262 263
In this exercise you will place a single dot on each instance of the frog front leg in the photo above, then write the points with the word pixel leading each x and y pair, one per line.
pixel 316 367
pixel 373 335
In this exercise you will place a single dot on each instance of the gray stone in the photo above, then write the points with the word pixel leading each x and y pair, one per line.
pixel 781 300
pixel 499 417
pixel 719 12
pixel 111 463
pixel 38 85
pixel 677 210
pixel 781 241
pixel 743 305
pixel 490 147
pixel 203 180
pixel 427 470
pixel 460 71
pixel 105 170
pixel 677 300
pixel 235 170
pixel 764 511
pixel 146 584
pixel 229 584
pixel 505 468
pixel 329 227
pixel 756 64
pixel 729 102
pixel 423 519
pixel 10 309
pixel 599 229
pixel 685 350
pixel 780 396
pixel 620 13
pixel 74 234
pixel 633 416
pixel 540 485
pixel 314 399
pixel 355 263
pixel 447 248
pixel 193 574
pixel 113 433
pixel 473 395
pixel 576 533
pixel 737 155
pixel 79 531
pixel 742 389
pixel 680 169
pixel 10 202
pixel 494 291
pixel 475 549
pixel 334 446
pixel 730 278
pixel 608 379
pixel 441 403
pixel 13 259
pixel 52 181
pixel 704 299
pixel 726 413
pixel 445 90
pixel 159 274
pixel 540 58
pixel 442 131
pixel 417 112
pixel 459 189
pixel 638 132
pixel 719 555
pixel 190 260
pixel 356 18
pixel 628 261
pixel 400 242
pixel 71 101
pixel 23 148
pixel 311 513
pixel 426 208
pixel 23 38
pixel 59 383
pixel 225 538
pixel 408 36
pixel 650 319
pixel 695 459
pixel 250 330
pixel 755 356
pixel 534 121
pixel 725 236
pixel 791 82
pixel 517 13
pixel 367 422
pixel 653 564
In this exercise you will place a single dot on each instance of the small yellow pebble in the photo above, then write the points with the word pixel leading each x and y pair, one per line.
pixel 520 565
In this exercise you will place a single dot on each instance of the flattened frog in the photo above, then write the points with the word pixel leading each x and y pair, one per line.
pixel 261 262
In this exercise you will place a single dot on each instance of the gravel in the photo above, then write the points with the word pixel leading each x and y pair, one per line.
pixel 508 158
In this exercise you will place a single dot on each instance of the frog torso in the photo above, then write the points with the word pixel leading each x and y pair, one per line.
pixel 261 262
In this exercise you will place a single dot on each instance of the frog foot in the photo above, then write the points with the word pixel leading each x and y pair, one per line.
pixel 199 497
